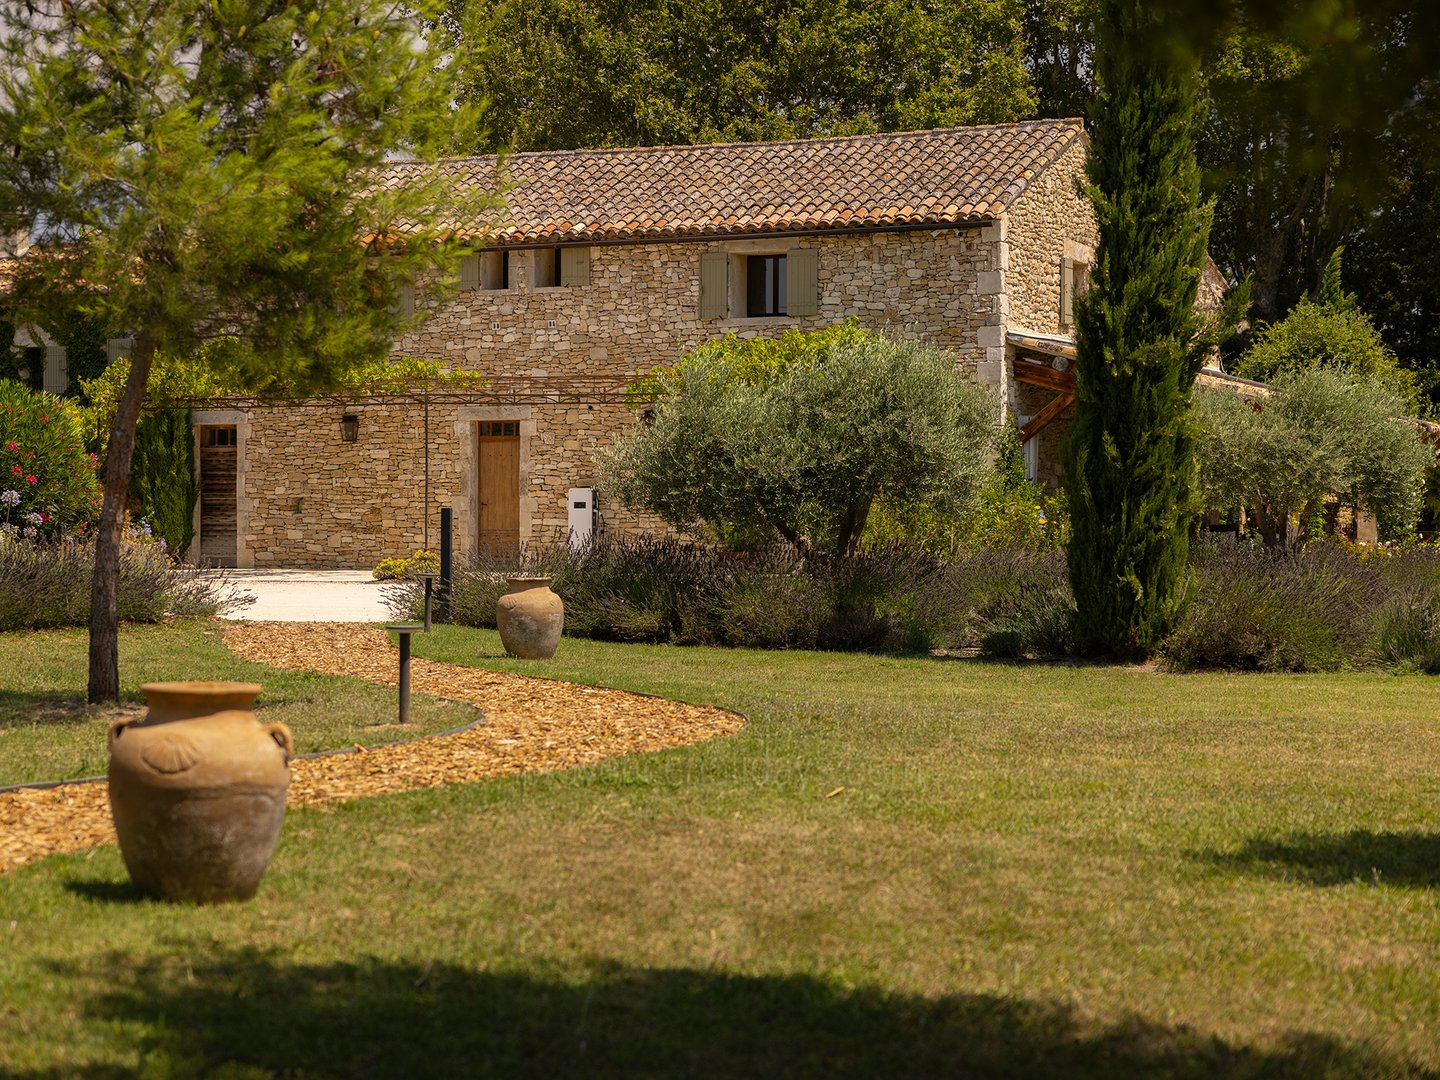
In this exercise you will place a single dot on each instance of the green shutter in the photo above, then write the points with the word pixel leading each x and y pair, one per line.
pixel 714 281
pixel 405 300
pixel 574 267
pixel 1067 291
pixel 55 377
pixel 802 281
pixel 470 271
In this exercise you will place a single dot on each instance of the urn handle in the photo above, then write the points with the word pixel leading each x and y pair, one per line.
pixel 281 734
pixel 117 729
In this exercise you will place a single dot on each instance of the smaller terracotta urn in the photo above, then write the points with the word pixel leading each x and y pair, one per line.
pixel 197 791
pixel 530 617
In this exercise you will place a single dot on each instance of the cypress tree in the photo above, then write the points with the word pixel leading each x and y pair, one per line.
pixel 1130 454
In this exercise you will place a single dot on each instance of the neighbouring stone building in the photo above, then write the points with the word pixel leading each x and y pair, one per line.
pixel 609 262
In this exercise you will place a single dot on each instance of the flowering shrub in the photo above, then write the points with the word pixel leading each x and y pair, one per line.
pixel 48 484
pixel 422 562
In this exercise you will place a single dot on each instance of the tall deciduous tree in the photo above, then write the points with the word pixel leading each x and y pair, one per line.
pixel 561 74
pixel 1129 456
pixel 192 169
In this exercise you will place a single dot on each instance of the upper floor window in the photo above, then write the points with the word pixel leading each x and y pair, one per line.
pixel 1074 279
pixel 764 285
pixel 774 284
pixel 560 267
pixel 488 270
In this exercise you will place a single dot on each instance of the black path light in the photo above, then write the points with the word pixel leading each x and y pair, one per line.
pixel 446 561
pixel 429 578
pixel 404 630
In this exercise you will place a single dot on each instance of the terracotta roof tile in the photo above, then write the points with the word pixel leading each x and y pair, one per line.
pixel 948 176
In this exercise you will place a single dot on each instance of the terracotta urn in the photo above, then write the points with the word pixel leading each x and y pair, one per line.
pixel 197 790
pixel 530 617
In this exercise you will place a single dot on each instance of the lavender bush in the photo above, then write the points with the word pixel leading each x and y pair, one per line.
pixel 46 583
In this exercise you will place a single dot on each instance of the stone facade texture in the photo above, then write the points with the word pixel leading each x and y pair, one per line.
pixel 309 499
pixel 1049 222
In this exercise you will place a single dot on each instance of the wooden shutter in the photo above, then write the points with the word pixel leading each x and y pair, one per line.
pixel 118 347
pixel 802 281
pixel 714 282
pixel 575 266
pixel 1067 291
pixel 56 375
pixel 470 271
pixel 405 299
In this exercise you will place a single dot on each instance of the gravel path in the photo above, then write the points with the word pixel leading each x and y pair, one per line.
pixel 532 725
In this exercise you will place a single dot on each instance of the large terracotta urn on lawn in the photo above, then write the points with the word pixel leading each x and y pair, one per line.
pixel 530 617
pixel 197 790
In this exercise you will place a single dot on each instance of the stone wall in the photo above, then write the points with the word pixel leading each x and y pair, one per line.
pixel 1050 221
pixel 310 499
pixel 641 307
pixel 348 505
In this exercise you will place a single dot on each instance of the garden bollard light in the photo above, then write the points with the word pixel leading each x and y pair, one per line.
pixel 446 567
pixel 429 591
pixel 404 630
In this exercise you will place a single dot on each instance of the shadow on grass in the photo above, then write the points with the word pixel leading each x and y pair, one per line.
pixel 249 1013
pixel 1402 859
pixel 108 892
pixel 53 707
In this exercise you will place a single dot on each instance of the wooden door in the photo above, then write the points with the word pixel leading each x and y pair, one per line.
pixel 498 504
pixel 217 496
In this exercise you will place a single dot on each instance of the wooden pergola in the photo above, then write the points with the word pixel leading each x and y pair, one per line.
pixel 1045 362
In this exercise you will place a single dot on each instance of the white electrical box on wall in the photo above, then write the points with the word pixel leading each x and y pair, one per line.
pixel 582 516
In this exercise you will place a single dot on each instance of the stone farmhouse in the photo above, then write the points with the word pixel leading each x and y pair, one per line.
pixel 609 262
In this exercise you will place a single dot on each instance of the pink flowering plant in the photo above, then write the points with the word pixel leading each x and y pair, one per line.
pixel 48 483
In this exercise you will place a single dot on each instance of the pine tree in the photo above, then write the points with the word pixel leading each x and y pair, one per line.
pixel 1129 456
pixel 192 170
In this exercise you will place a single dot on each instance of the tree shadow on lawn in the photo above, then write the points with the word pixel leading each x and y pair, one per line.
pixel 252 1012
pixel 1401 859
pixel 55 707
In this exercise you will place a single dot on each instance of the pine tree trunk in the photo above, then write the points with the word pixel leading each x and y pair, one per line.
pixel 104 589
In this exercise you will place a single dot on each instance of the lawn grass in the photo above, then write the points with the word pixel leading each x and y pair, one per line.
pixel 901 867
pixel 48 733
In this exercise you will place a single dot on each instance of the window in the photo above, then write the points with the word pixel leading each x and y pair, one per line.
pixel 547 268
pixel 35 366
pixel 212 437
pixel 495 270
pixel 488 270
pixel 764 286
pixel 499 429
pixel 1074 278
pixel 557 267
pixel 769 285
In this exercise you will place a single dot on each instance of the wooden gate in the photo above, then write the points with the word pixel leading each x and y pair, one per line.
pixel 498 503
pixel 217 496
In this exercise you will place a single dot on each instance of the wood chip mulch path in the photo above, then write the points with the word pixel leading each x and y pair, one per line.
pixel 531 725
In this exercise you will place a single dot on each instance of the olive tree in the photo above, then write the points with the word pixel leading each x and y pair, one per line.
pixel 1319 433
pixel 802 434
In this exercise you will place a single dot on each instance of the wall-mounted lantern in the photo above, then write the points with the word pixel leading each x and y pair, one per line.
pixel 350 427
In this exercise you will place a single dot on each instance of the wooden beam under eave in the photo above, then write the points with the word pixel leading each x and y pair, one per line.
pixel 1045 417
pixel 1045 376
